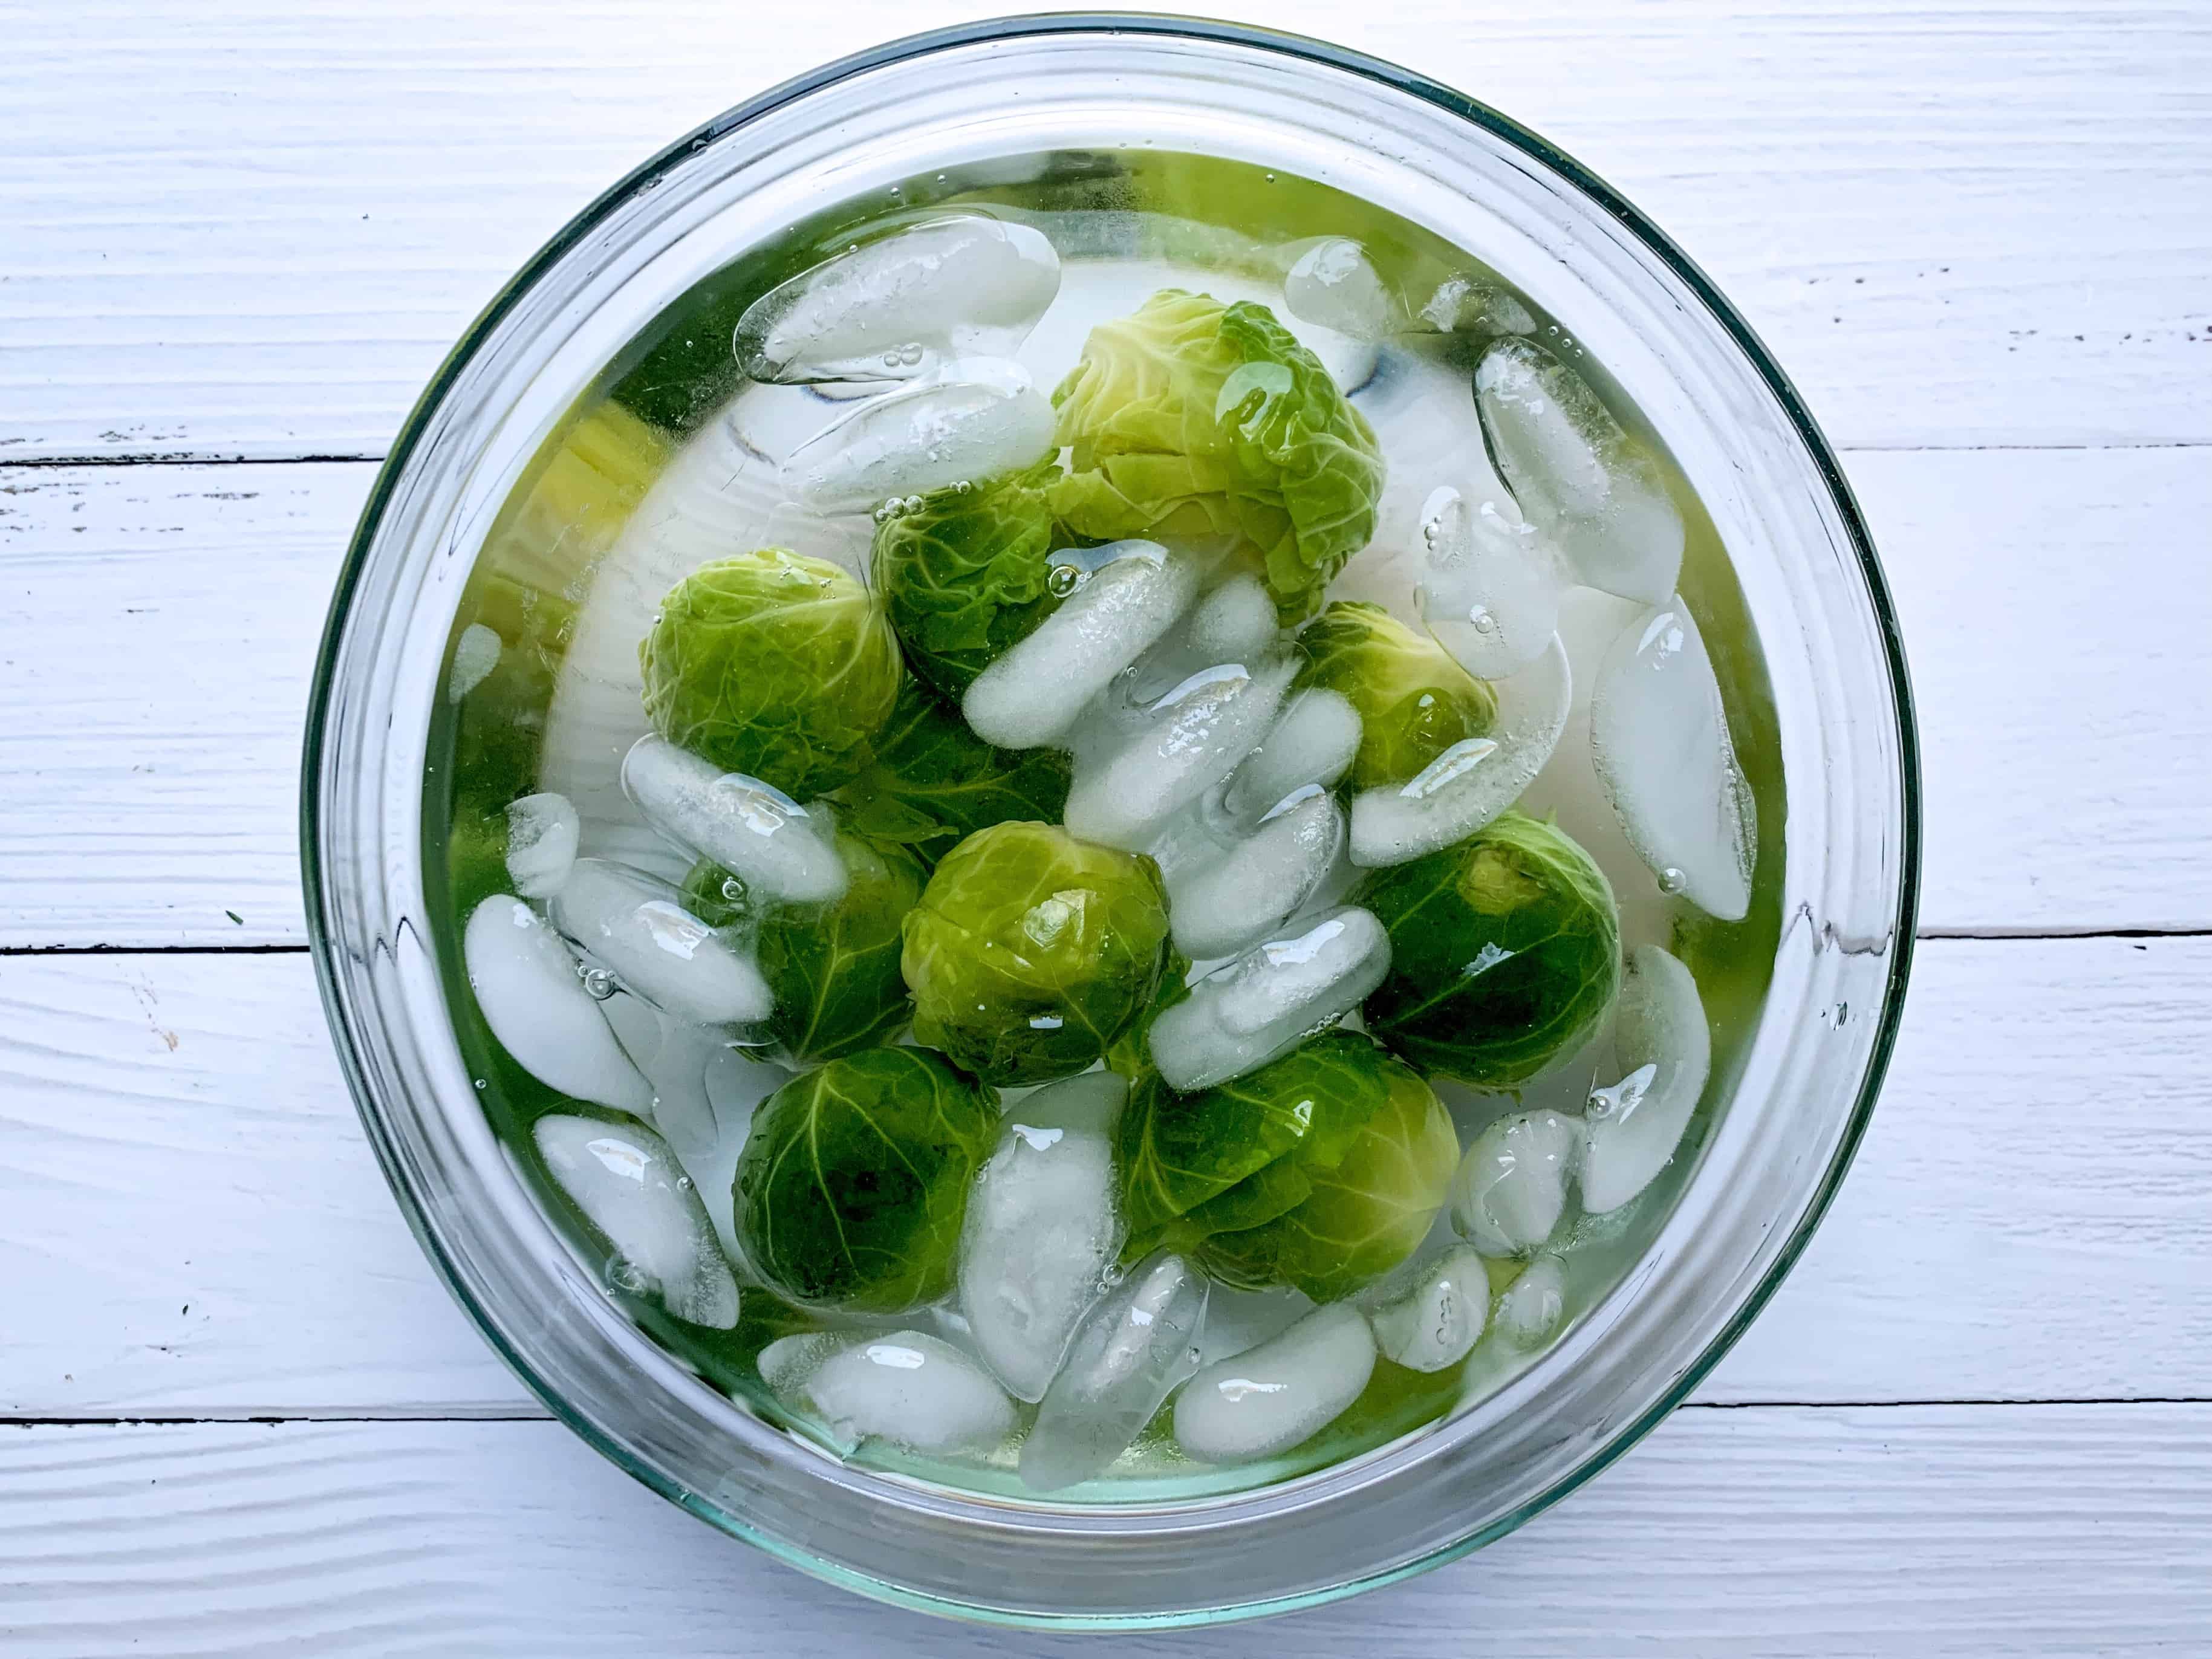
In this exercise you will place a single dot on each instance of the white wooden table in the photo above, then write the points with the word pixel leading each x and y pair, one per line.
pixel 235 238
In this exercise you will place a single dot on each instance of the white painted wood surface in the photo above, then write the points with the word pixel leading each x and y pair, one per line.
pixel 1978 1419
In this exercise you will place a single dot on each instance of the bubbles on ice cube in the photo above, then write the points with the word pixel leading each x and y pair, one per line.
pixel 1133 1348
pixel 638 927
pixel 962 286
pixel 1659 740
pixel 1134 592
pixel 1429 1312
pixel 1467 304
pixel 911 1389
pixel 476 653
pixel 1490 586
pixel 1042 1228
pixel 1630 1130
pixel 1261 1005
pixel 1511 1188
pixel 777 848
pixel 1576 474
pixel 1472 781
pixel 1219 905
pixel 1311 744
pixel 972 419
pixel 1334 285
pixel 541 843
pixel 630 1185
pixel 1269 1398
pixel 530 988
pixel 1532 1307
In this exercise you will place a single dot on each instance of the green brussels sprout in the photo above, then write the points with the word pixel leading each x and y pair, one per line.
pixel 833 967
pixel 854 1183
pixel 774 665
pixel 1031 951
pixel 1359 1215
pixel 964 573
pixel 1192 419
pixel 1413 699
pixel 933 781
pixel 1504 953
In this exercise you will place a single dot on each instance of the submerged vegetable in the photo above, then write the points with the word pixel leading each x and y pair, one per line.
pixel 933 781
pixel 1192 420
pixel 835 968
pixel 964 573
pixel 1504 953
pixel 1030 950
pixel 1413 699
pixel 854 1182
pixel 774 665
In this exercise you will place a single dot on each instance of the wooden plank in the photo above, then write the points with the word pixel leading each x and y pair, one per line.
pixel 237 229
pixel 159 624
pixel 2031 1531
pixel 194 1225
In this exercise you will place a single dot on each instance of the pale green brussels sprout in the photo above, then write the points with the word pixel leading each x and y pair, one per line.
pixel 933 781
pixel 1413 699
pixel 965 573
pixel 1322 1170
pixel 1192 420
pixel 1031 951
pixel 1504 953
pixel 772 664
pixel 854 1183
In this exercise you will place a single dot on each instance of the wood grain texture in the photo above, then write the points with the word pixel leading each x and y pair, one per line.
pixel 158 627
pixel 2030 1531
pixel 253 229
pixel 195 1227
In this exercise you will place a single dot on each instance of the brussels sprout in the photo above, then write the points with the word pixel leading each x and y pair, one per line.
pixel 774 665
pixel 835 967
pixel 1504 953
pixel 1191 419
pixel 1363 1214
pixel 933 781
pixel 854 1183
pixel 1413 698
pixel 1030 950
pixel 964 573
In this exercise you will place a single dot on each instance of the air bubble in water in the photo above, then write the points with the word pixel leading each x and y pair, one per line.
pixel 1063 581
pixel 733 890
pixel 623 1275
pixel 481 1083
pixel 599 983
pixel 1672 881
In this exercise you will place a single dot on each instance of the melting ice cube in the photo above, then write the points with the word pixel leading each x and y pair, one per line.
pixel 1529 1311
pixel 1223 903
pixel 972 419
pixel 1429 1312
pixel 1511 1186
pixel 531 989
pixel 1311 742
pixel 1659 740
pixel 1464 303
pixel 1490 586
pixel 476 653
pixel 1334 285
pixel 906 1387
pixel 1630 1131
pixel 541 843
pixel 640 929
pixel 630 1185
pixel 1267 1399
pixel 777 848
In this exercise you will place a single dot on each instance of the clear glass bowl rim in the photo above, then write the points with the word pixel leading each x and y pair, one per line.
pixel 643 177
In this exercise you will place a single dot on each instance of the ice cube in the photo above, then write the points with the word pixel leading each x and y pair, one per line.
pixel 1220 905
pixel 1238 1319
pixel 639 928
pixel 1136 1344
pixel 629 1185
pixel 1132 594
pixel 1267 1001
pixel 1490 586
pixel 1127 788
pixel 778 848
pixel 1466 304
pixel 908 1386
pixel 1429 1312
pixel 972 419
pixel 1665 1049
pixel 1472 781
pixel 962 286
pixel 1531 1306
pixel 1576 474
pixel 1334 285
pixel 1041 1230
pixel 1511 1188
pixel 476 653
pixel 737 1082
pixel 531 990
pixel 674 1056
pixel 1232 622
pixel 1659 740
pixel 541 843
pixel 1311 742
pixel 1268 1398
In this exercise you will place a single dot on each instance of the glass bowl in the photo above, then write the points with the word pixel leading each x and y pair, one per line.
pixel 1807 1075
